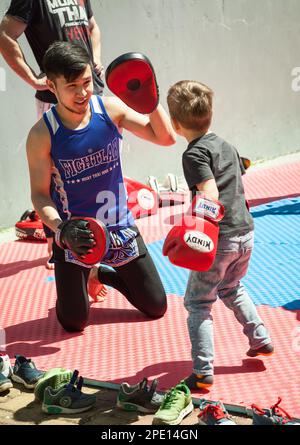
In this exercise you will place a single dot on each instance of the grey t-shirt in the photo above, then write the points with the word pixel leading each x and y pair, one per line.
pixel 211 157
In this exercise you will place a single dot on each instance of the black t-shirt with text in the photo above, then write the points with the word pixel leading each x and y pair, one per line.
pixel 55 20
pixel 210 157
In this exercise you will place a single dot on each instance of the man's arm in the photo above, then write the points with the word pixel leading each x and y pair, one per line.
pixel 10 30
pixel 39 163
pixel 154 128
pixel 96 44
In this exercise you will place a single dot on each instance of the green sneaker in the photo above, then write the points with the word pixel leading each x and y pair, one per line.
pixel 54 377
pixel 176 405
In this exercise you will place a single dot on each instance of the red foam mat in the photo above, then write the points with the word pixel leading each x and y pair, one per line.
pixel 119 344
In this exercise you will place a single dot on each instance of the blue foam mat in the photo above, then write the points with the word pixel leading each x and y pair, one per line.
pixel 273 277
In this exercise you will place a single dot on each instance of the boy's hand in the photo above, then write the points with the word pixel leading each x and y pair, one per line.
pixel 193 243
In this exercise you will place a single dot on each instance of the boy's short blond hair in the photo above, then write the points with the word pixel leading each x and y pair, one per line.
pixel 190 104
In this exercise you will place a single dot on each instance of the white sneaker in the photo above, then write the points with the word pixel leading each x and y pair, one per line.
pixel 5 366
pixel 172 181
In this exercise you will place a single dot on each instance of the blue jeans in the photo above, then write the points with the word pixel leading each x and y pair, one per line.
pixel 222 280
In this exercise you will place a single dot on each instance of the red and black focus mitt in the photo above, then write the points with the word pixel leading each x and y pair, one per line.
pixel 30 227
pixel 87 238
pixel 131 77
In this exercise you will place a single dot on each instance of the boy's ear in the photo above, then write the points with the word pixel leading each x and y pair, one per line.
pixel 176 125
pixel 51 85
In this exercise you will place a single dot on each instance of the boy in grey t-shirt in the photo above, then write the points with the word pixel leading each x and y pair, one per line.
pixel 213 167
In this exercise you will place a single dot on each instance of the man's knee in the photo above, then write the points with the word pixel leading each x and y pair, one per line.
pixel 156 310
pixel 72 327
pixel 70 324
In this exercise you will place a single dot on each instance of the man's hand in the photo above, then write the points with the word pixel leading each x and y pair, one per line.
pixel 99 70
pixel 40 83
pixel 75 235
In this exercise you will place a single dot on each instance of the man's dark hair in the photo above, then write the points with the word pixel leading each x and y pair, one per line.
pixel 65 59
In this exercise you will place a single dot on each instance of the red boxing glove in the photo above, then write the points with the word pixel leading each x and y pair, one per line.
pixel 193 244
pixel 131 77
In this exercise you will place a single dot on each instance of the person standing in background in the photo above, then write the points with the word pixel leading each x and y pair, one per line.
pixel 44 22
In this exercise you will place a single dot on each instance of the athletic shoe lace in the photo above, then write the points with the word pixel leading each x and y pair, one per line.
pixel 75 381
pixel 170 397
pixel 215 410
pixel 276 410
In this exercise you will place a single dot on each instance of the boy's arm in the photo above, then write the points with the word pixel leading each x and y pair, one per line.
pixel 209 188
pixel 39 163
pixel 10 30
pixel 198 173
pixel 156 127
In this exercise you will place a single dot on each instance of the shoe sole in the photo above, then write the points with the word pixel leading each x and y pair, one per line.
pixel 54 409
pixel 203 385
pixel 128 406
pixel 225 423
pixel 55 380
pixel 5 386
pixel 187 410
pixel 266 354
pixel 18 379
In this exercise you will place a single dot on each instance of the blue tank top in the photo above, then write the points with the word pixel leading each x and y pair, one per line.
pixel 87 177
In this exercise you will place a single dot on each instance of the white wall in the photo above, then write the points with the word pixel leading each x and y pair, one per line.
pixel 244 49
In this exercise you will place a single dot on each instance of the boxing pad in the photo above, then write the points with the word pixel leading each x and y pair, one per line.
pixel 131 77
pixel 142 200
pixel 30 227
pixel 87 238
pixel 193 243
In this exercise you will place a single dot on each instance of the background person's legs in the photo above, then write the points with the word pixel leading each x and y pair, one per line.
pixel 41 108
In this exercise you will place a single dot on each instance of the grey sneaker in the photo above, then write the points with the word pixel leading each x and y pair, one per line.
pixel 265 350
pixel 272 416
pixel 25 372
pixel 68 399
pixel 214 413
pixel 199 381
pixel 139 397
